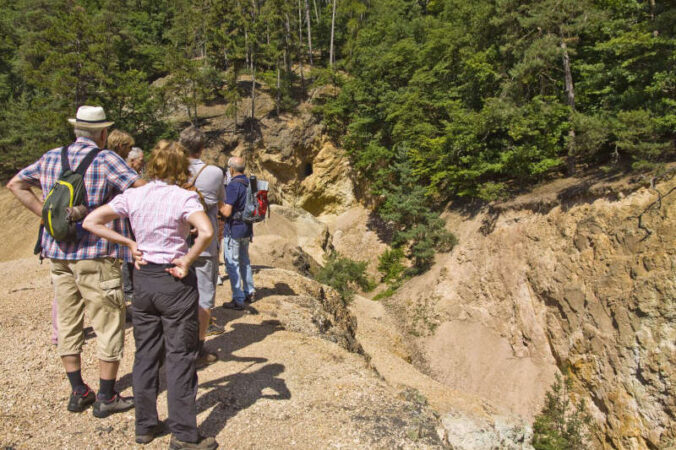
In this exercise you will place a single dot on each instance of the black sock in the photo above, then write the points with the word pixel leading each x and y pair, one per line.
pixel 106 389
pixel 200 347
pixel 76 382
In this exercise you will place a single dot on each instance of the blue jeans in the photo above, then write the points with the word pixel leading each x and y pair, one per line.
pixel 238 265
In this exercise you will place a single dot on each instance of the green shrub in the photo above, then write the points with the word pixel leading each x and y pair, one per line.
pixel 390 266
pixel 561 425
pixel 344 275
pixel 417 227
pixel 389 292
pixel 637 135
pixel 490 191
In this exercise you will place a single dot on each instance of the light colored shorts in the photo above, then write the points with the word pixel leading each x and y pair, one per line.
pixel 94 285
pixel 206 269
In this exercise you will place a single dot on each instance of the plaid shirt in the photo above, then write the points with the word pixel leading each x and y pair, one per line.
pixel 107 176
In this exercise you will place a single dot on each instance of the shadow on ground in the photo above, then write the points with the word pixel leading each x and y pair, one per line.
pixel 279 289
pixel 225 345
pixel 232 393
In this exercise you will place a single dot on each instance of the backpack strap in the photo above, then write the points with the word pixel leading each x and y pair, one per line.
pixel 194 180
pixel 237 215
pixel 84 165
pixel 65 165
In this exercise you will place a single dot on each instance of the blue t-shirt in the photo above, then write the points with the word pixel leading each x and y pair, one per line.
pixel 235 195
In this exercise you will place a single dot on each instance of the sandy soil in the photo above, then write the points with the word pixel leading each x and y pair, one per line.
pixel 271 388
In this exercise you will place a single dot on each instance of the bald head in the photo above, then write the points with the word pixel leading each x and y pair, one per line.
pixel 237 165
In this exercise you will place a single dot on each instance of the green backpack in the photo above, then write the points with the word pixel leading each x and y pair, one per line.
pixel 68 191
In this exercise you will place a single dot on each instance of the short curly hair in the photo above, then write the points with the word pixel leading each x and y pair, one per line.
pixel 168 163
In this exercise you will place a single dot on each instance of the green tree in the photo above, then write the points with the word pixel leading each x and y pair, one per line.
pixel 561 425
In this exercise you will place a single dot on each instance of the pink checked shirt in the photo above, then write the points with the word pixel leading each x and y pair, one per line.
pixel 158 213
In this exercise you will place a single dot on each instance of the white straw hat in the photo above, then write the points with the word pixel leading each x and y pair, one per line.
pixel 90 117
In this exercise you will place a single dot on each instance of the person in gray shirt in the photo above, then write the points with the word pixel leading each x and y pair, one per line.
pixel 209 181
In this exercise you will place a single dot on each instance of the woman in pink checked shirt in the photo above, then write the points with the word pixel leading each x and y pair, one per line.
pixel 165 291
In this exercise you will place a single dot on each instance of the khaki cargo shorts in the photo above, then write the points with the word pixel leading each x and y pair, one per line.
pixel 94 285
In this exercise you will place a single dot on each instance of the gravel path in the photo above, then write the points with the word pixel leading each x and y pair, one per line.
pixel 272 388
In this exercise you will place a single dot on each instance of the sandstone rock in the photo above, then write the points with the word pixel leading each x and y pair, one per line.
pixel 303 167
pixel 581 290
pixel 289 228
pixel 351 237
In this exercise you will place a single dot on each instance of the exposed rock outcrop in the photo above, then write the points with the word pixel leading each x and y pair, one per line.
pixel 290 151
pixel 578 288
pixel 291 238
pixel 306 306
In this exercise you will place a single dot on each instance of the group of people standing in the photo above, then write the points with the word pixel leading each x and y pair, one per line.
pixel 160 229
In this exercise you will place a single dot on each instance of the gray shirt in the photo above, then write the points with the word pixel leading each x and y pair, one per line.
pixel 211 186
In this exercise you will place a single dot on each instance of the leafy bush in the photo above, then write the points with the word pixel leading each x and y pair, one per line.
pixel 561 425
pixel 344 275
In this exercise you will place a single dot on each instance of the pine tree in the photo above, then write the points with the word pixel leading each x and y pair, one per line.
pixel 561 425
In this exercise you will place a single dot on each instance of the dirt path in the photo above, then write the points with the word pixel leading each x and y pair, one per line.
pixel 272 388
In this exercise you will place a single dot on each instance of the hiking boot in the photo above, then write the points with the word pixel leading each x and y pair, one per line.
pixel 233 305
pixel 80 402
pixel 214 330
pixel 250 298
pixel 158 430
pixel 204 443
pixel 104 408
pixel 205 358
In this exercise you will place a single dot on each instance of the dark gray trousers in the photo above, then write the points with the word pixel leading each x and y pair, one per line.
pixel 128 279
pixel 165 324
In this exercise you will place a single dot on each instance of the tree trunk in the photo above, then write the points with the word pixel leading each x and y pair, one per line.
pixel 570 90
pixel 333 25
pixel 253 89
pixel 652 17
pixel 252 56
pixel 78 68
pixel 570 98
pixel 235 115
pixel 309 30
pixel 314 2
pixel 287 50
pixel 300 47
pixel 246 46
pixel 235 91
pixel 279 89
pixel 652 10
pixel 235 97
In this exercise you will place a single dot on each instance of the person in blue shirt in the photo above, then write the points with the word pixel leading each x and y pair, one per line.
pixel 236 237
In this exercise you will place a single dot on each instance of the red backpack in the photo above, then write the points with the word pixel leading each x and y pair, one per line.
pixel 256 206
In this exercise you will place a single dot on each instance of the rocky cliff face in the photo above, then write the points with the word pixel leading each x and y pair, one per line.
pixel 558 282
pixel 290 151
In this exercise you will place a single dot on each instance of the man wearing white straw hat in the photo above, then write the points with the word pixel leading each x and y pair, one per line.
pixel 85 270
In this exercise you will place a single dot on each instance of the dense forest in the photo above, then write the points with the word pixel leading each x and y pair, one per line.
pixel 437 99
